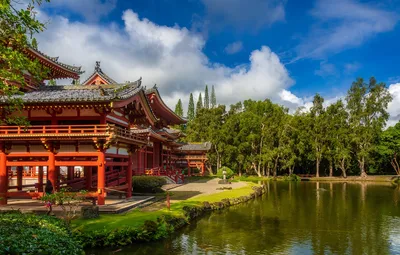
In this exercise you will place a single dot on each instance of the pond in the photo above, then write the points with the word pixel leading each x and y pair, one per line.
pixel 294 218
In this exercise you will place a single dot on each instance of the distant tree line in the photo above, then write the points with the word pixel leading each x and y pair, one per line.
pixel 192 111
pixel 261 137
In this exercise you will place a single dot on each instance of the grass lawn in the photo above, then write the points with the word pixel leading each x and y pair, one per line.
pixel 136 218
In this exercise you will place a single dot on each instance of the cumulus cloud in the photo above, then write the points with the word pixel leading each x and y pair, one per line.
pixel 234 47
pixel 343 24
pixel 394 106
pixel 250 14
pixel 171 57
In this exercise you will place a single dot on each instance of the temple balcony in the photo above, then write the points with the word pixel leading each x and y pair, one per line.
pixel 107 132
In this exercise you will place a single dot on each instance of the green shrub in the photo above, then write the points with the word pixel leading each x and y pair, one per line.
pixel 292 177
pixel 229 172
pixel 31 234
pixel 148 184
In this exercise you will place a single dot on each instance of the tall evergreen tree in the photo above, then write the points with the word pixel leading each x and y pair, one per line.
pixel 199 105
pixel 178 108
pixel 213 98
pixel 206 98
pixel 190 112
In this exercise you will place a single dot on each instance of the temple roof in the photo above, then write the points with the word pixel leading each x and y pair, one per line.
pixel 99 72
pixel 68 71
pixel 195 147
pixel 161 109
pixel 70 93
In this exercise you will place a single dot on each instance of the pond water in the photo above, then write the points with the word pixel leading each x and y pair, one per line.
pixel 294 218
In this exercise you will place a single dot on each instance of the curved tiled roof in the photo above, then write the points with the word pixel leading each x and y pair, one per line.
pixel 54 60
pixel 195 147
pixel 70 93
pixel 99 72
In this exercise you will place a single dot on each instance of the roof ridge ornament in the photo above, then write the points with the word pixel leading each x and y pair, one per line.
pixel 97 67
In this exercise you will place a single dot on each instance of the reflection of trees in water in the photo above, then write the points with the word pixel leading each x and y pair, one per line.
pixel 334 218
pixel 328 218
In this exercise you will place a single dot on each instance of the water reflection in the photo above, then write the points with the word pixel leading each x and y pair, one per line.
pixel 295 218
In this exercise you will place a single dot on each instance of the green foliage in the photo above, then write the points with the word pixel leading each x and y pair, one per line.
pixel 151 184
pixel 179 108
pixel 388 148
pixel 206 98
pixel 229 172
pixel 199 105
pixel 213 102
pixel 367 107
pixel 68 201
pixel 17 26
pixel 260 137
pixel 190 113
pixel 31 234
pixel 291 177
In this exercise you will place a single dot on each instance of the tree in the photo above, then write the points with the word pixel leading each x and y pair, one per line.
pixel 317 131
pixel 178 108
pixel 206 98
pixel 17 27
pixel 190 113
pixel 389 146
pixel 338 143
pixel 199 105
pixel 367 106
pixel 52 83
pixel 213 98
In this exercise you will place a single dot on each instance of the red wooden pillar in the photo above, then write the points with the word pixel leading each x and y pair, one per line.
pixel 40 179
pixel 129 176
pixel 88 176
pixel 101 178
pixel 3 178
pixel 20 169
pixel 145 159
pixel 51 170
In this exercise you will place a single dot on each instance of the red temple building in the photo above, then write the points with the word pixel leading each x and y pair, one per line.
pixel 92 136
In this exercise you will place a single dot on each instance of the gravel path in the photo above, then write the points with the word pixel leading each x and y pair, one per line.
pixel 200 187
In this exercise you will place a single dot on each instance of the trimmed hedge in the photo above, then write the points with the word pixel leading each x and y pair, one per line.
pixel 148 184
pixel 31 234
pixel 229 172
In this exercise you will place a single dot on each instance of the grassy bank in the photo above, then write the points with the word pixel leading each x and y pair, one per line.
pixel 138 225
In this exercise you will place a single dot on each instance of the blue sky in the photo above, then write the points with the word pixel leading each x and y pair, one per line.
pixel 286 50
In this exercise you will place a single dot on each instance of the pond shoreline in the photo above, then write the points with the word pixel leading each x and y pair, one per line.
pixel 165 222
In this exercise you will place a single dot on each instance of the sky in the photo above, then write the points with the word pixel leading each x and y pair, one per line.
pixel 284 50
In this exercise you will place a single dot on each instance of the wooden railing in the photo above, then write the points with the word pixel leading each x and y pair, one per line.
pixel 127 134
pixel 69 130
pixel 101 130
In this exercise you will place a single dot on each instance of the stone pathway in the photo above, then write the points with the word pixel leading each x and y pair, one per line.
pixel 200 187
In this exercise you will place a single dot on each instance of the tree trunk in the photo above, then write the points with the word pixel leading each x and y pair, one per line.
pixel 268 171
pixel 317 168
pixel 240 171
pixel 330 169
pixel 263 170
pixel 343 168
pixel 395 164
pixel 275 166
pixel 362 167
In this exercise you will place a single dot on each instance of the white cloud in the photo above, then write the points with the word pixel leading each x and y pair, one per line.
pixel 91 10
pixel 394 106
pixel 171 57
pixel 233 48
pixel 343 24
